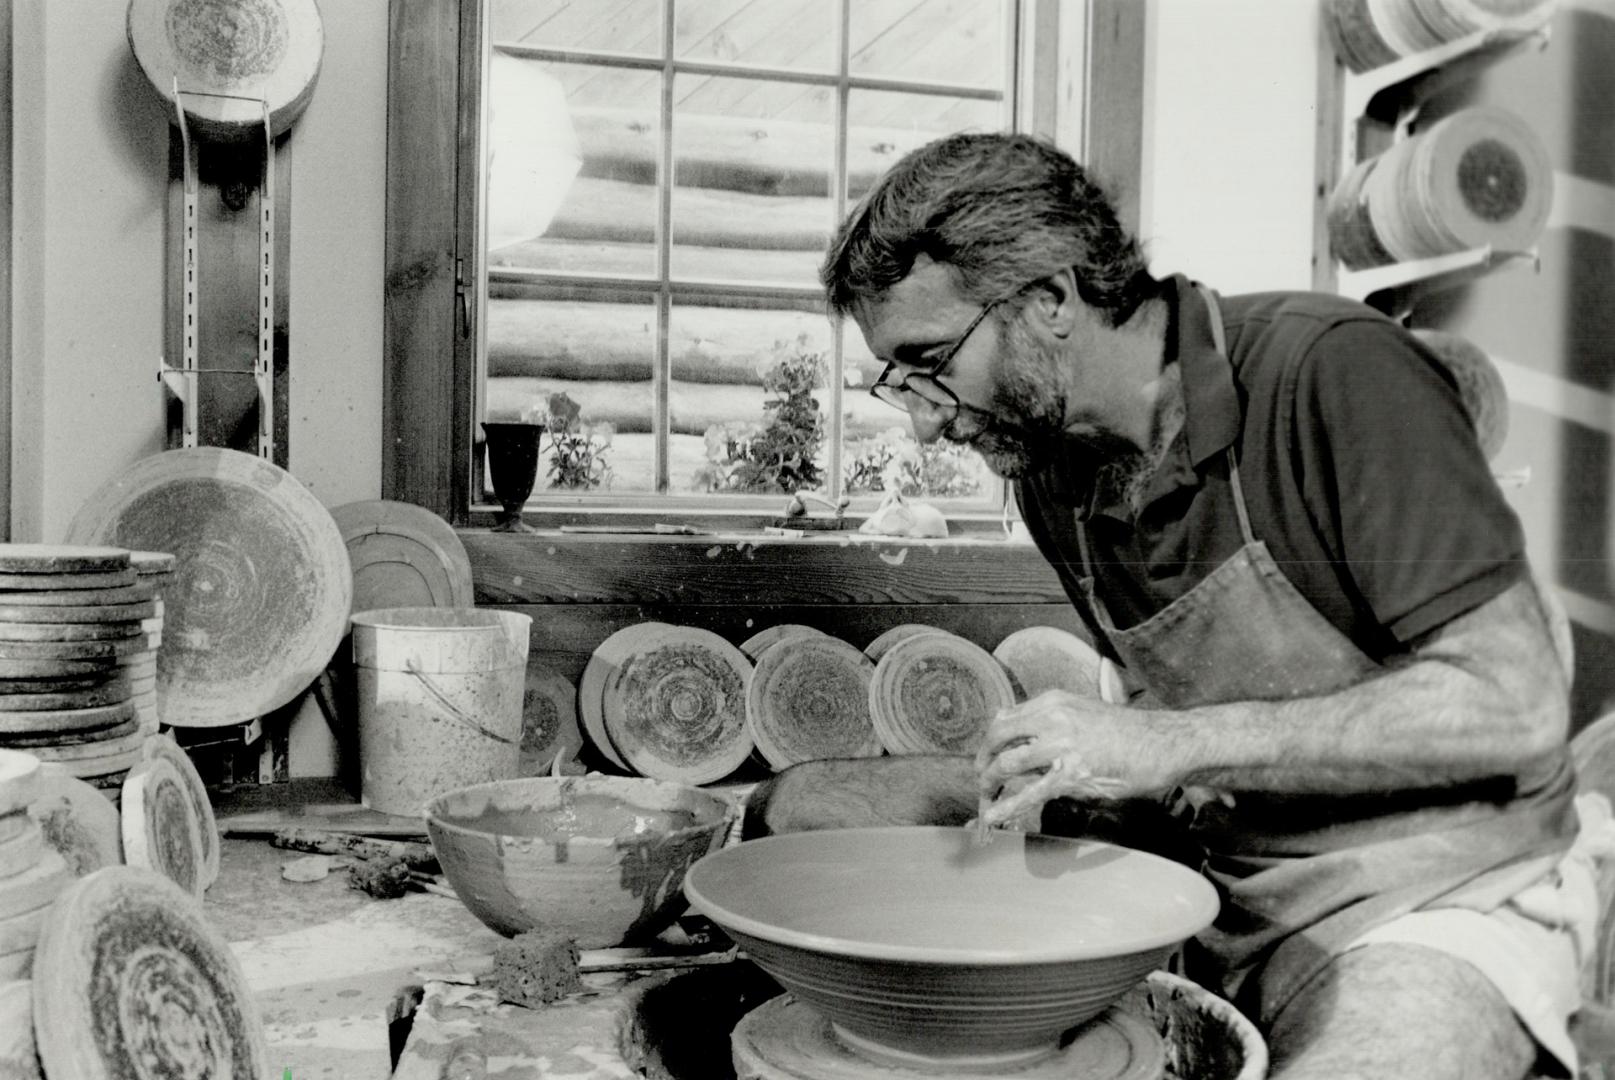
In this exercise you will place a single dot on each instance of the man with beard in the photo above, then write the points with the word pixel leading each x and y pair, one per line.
pixel 1272 513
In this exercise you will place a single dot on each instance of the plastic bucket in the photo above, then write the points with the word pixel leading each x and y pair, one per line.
pixel 440 701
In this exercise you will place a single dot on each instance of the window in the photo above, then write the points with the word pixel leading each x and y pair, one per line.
pixel 663 177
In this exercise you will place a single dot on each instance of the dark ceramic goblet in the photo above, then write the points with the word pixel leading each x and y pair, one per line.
pixel 512 469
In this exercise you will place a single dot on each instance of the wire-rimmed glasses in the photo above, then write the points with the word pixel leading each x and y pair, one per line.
pixel 925 385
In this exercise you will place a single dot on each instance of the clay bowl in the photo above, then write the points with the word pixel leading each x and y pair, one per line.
pixel 600 859
pixel 927 948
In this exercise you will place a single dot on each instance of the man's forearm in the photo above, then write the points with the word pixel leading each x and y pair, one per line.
pixel 1482 698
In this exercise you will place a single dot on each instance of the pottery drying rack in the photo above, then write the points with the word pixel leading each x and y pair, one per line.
pixel 182 381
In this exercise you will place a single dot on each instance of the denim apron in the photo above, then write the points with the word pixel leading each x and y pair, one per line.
pixel 1302 876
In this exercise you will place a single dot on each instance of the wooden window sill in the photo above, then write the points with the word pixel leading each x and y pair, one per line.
pixel 751 567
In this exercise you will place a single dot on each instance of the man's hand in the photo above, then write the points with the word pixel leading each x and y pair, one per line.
pixel 1058 745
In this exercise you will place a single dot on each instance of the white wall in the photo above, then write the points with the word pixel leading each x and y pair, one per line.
pixel 90 177
pixel 1228 141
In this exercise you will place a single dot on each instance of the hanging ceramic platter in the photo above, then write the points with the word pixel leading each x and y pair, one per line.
pixel 235 62
pixel 262 588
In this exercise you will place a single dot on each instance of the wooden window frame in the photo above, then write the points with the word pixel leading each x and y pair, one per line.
pixel 433 304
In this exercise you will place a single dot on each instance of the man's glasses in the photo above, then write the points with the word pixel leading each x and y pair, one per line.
pixel 925 385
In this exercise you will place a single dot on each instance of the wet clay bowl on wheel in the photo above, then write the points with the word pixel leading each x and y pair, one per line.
pixel 600 859
pixel 928 948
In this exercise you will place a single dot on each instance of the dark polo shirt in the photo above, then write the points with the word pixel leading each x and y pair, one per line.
pixel 1360 470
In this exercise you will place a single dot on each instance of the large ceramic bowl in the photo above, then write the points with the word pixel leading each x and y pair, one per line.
pixel 931 948
pixel 600 859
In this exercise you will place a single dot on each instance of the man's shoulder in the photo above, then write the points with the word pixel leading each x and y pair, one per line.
pixel 1275 334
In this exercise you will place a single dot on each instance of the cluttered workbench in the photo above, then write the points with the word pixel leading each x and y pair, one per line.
pixel 353 985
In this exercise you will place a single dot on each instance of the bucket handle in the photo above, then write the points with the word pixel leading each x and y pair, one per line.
pixel 453 709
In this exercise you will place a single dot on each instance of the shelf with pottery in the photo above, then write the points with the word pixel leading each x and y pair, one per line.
pixel 1368 117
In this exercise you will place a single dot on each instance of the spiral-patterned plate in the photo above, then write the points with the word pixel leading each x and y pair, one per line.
pixel 234 60
pixel 260 595
pixel 935 693
pixel 164 747
pixel 676 707
pixel 131 982
pixel 160 830
pixel 809 699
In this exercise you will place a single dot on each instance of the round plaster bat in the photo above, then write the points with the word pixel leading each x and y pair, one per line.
pixel 160 830
pixel 61 558
pixel 70 631
pixel 676 707
pixel 901 632
pixel 1480 386
pixel 809 699
pixel 935 693
pixel 131 982
pixel 67 581
pixel 65 719
pixel 1040 658
pixel 753 646
pixel 78 822
pixel 607 658
pixel 165 748
pixel 549 719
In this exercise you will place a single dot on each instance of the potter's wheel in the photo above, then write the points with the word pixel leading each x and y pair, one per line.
pixel 784 1039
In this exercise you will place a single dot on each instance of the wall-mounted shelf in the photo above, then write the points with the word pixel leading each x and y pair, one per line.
pixel 1366 113
pixel 1396 287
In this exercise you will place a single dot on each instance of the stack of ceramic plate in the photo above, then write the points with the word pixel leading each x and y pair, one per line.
pixel 31 872
pixel 155 570
pixel 71 622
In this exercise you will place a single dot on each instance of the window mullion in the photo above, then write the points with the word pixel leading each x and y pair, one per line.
pixel 662 370
pixel 836 375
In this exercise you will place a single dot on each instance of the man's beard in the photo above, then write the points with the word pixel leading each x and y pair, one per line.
pixel 1027 417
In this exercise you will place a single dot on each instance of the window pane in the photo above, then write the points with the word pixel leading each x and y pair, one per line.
pixel 768 33
pixel 752 162
pixel 953 41
pixel 879 451
pixel 625 26
pixel 597 354
pixel 572 167
pixel 748 398
pixel 883 126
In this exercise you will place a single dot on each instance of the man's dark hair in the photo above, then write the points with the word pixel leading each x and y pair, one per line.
pixel 1003 210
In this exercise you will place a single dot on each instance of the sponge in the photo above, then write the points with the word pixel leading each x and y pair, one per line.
pixel 535 968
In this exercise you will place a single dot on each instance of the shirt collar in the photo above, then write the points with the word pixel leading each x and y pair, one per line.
pixel 1211 401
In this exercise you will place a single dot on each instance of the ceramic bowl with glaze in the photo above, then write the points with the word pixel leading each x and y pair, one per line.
pixel 600 859
pixel 926 947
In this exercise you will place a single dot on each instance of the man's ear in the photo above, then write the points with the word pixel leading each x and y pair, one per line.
pixel 1054 304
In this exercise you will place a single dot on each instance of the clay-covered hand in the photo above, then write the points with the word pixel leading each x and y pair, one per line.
pixel 1057 745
